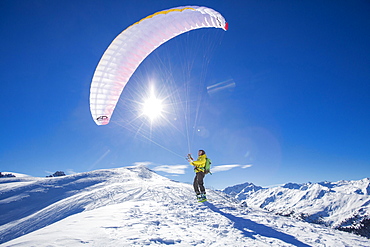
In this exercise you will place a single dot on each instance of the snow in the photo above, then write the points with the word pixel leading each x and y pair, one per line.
pixel 340 204
pixel 15 174
pixel 136 207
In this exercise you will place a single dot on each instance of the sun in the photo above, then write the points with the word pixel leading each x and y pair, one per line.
pixel 152 107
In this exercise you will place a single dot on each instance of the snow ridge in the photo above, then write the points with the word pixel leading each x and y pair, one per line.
pixel 242 191
pixel 134 206
pixel 341 205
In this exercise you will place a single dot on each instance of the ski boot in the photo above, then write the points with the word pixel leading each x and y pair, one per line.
pixel 202 197
pixel 199 197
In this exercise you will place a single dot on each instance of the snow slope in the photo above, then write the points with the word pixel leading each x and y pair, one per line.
pixel 136 207
pixel 344 205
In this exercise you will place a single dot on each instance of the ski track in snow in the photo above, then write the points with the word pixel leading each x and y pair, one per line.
pixel 136 207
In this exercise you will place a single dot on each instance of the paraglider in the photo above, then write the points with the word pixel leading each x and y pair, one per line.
pixel 134 44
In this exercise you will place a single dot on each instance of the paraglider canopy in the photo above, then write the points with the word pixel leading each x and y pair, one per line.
pixel 134 44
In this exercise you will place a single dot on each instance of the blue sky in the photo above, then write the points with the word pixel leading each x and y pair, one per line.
pixel 287 97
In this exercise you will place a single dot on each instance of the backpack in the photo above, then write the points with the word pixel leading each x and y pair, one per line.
pixel 207 168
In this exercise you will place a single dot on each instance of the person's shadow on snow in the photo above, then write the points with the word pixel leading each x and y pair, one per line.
pixel 250 228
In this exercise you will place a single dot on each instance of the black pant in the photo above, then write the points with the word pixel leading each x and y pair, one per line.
pixel 198 183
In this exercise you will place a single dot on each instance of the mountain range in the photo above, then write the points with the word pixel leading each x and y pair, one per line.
pixel 343 205
pixel 134 206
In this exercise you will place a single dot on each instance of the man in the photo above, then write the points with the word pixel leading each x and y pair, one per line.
pixel 199 167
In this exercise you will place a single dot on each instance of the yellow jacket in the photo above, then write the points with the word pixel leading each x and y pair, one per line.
pixel 200 163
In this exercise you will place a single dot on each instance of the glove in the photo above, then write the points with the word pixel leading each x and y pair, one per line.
pixel 190 158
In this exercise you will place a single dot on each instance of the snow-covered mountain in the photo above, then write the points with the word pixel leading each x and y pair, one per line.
pixel 136 207
pixel 342 205
pixel 242 191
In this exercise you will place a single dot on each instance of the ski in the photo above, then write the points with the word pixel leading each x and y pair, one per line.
pixel 201 198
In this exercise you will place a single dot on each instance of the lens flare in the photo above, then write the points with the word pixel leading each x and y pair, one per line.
pixel 152 106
